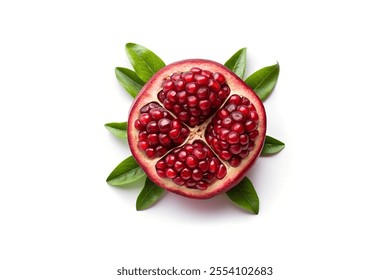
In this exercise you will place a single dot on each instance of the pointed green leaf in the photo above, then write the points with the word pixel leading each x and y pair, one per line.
pixel 144 61
pixel 129 80
pixel 149 195
pixel 126 172
pixel 244 195
pixel 272 146
pixel 118 129
pixel 264 80
pixel 237 62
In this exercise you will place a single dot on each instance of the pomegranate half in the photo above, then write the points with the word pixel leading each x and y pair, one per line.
pixel 196 128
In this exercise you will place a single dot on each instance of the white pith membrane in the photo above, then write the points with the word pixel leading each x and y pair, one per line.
pixel 197 133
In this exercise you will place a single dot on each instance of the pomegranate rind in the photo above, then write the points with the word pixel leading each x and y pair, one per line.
pixel 149 94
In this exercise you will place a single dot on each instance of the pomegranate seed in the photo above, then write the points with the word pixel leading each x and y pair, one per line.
pixel 226 89
pixel 143 135
pixel 222 114
pixel 243 109
pixel 233 138
pixel 237 116
pixel 179 181
pixel 253 116
pixel 235 99
pixel 160 164
pixel 161 173
pixel 203 93
pixel 168 104
pixel 222 171
pixel 195 112
pixel 203 165
pixel 213 98
pixel 178 166
pixel 143 145
pixel 160 151
pixel 231 107
pixel 227 122
pixel 165 125
pixel 152 139
pixel 197 175
pixel 193 121
pixel 174 133
pixel 223 134
pixel 191 183
pixel 201 80
pixel 245 101
pixel 150 152
pixel 191 161
pixel 161 96
pixel 244 139
pixel 138 125
pixel 164 139
pixel 250 125
pixel 196 70
pixel 182 96
pixel 145 118
pixel 219 78
pixel 204 104
pixel 182 155
pixel 156 114
pixel 185 174
pixel 235 161
pixel 192 101
pixel 213 85
pixel 201 185
pixel 244 154
pixel 199 153
pixel 251 146
pixel 208 177
pixel 238 127
pixel 170 160
pixel 152 127
pixel 171 95
pixel 222 94
pixel 180 85
pixel 224 145
pixel 207 73
pixel 235 149
pixel 188 77
pixel 225 155
pixel 183 116
pixel 176 76
pixel 253 135
pixel 167 85
pixel 192 87
pixel 213 165
pixel 170 173
pixel 176 124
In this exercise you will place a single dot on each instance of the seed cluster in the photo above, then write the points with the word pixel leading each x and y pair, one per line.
pixel 193 96
pixel 192 165
pixel 158 131
pixel 233 130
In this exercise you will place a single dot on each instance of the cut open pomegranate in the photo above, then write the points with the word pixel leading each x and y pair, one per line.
pixel 196 128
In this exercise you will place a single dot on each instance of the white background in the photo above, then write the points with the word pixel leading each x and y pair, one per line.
pixel 325 208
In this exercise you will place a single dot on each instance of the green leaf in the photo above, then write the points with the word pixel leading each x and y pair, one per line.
pixel 118 129
pixel 149 195
pixel 144 61
pixel 237 62
pixel 126 172
pixel 272 146
pixel 245 196
pixel 129 80
pixel 264 80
